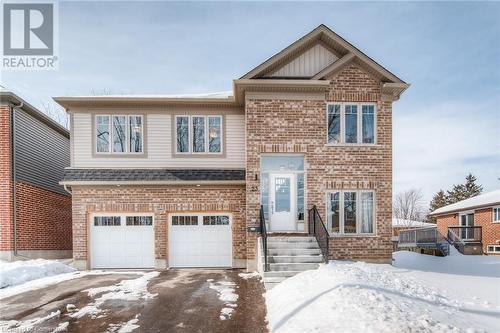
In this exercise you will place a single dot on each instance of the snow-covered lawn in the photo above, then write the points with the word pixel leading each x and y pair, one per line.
pixel 421 294
pixel 17 272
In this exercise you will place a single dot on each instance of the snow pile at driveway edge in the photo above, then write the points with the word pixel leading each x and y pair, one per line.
pixel 17 272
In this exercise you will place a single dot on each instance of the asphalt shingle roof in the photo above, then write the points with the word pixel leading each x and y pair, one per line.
pixel 152 175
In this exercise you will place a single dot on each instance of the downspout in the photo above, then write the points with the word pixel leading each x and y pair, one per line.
pixel 13 173
pixel 67 190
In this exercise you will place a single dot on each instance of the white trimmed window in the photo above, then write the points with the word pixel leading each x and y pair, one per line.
pixel 118 134
pixel 350 212
pixel 493 248
pixel 496 214
pixel 198 134
pixel 351 123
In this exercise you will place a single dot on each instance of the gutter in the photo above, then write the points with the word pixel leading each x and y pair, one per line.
pixel 149 182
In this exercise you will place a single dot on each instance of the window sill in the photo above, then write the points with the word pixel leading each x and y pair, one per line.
pixel 198 155
pixel 353 145
pixel 352 235
pixel 120 155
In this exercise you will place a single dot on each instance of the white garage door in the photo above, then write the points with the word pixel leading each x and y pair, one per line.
pixel 200 240
pixel 122 241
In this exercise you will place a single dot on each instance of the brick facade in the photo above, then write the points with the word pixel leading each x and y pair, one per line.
pixel 159 201
pixel 6 226
pixel 299 126
pixel 482 217
pixel 43 219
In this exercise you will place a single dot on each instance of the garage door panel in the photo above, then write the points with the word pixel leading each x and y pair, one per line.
pixel 199 245
pixel 122 246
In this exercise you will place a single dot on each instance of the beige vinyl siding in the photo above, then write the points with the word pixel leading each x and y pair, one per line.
pixel 307 64
pixel 159 146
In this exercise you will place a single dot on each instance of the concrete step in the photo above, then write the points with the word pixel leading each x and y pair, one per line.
pixel 292 245
pixel 285 274
pixel 292 266
pixel 270 285
pixel 275 279
pixel 291 239
pixel 295 259
pixel 293 252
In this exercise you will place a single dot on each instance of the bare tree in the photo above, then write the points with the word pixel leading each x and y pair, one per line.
pixel 408 207
pixel 56 113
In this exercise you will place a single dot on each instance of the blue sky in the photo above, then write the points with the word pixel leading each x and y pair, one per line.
pixel 445 125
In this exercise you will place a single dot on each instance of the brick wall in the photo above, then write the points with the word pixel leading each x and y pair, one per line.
pixel 299 126
pixel 491 231
pixel 483 218
pixel 43 219
pixel 445 221
pixel 160 201
pixel 6 227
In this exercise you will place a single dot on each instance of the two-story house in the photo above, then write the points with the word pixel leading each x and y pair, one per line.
pixel 179 181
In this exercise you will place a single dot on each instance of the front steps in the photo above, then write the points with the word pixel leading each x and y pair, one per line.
pixel 290 255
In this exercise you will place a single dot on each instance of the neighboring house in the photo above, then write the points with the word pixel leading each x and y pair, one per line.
pixel 178 181
pixel 471 221
pixel 35 211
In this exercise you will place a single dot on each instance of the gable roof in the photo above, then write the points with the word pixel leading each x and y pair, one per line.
pixel 483 200
pixel 344 50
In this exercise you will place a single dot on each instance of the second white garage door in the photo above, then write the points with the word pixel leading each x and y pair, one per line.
pixel 200 240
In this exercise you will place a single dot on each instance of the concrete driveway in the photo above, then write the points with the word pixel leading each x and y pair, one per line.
pixel 187 300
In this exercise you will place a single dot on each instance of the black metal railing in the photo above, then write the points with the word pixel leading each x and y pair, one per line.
pixel 318 229
pixel 263 233
pixel 465 234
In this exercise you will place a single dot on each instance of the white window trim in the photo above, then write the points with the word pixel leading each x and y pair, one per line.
pixel 494 246
pixel 359 123
pixel 142 133
pixel 358 214
pixel 200 217
pixel 111 136
pixel 493 214
pixel 123 216
pixel 206 136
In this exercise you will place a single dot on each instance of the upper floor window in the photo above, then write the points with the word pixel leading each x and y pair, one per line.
pixel 119 134
pixel 351 123
pixel 350 212
pixel 198 134
pixel 496 214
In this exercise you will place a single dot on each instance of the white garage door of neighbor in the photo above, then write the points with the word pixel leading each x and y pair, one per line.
pixel 200 240
pixel 122 241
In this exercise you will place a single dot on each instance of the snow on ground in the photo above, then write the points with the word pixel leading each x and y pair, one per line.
pixel 247 276
pixel 126 290
pixel 54 279
pixel 27 325
pixel 226 291
pixel 125 327
pixel 422 294
pixel 18 272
